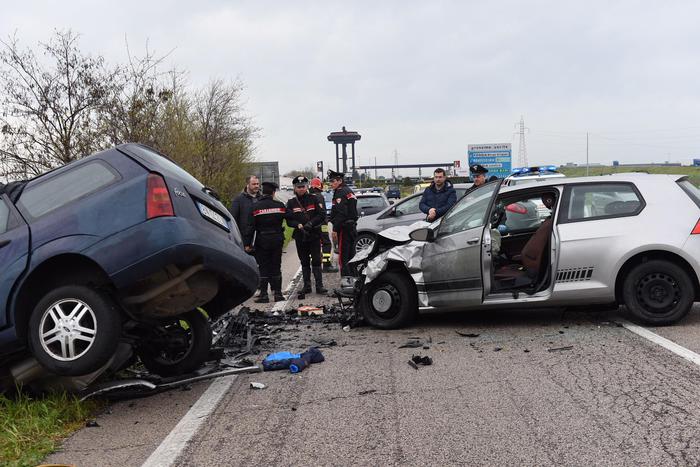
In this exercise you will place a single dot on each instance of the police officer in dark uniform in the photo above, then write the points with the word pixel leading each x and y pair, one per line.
pixel 479 176
pixel 344 219
pixel 265 222
pixel 305 214
pixel 316 188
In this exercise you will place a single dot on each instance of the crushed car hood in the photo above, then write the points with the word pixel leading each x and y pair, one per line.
pixel 401 233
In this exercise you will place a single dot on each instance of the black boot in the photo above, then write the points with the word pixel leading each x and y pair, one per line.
pixel 306 272
pixel 263 298
pixel 276 285
pixel 318 275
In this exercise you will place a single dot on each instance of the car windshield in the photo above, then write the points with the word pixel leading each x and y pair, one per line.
pixel 364 202
pixel 470 211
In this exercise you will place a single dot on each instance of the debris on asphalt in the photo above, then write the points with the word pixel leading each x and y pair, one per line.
pixel 310 311
pixel 557 349
pixel 413 364
pixel 325 343
pixel 497 349
pixel 254 385
pixel 467 334
pixel 415 342
pixel 369 391
pixel 419 360
pixel 92 424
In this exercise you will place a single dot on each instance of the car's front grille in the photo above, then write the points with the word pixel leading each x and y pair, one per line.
pixel 574 274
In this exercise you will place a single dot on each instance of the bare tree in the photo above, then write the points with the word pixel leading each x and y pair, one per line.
pixel 50 112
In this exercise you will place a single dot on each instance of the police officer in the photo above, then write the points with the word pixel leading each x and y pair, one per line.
pixel 344 218
pixel 265 222
pixel 305 214
pixel 316 188
pixel 479 176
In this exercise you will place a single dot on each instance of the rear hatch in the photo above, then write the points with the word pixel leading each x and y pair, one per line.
pixel 190 198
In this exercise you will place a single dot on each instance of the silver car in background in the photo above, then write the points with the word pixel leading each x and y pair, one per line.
pixel 403 212
pixel 631 239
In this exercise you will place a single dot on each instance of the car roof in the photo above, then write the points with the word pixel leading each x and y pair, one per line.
pixel 370 194
pixel 637 178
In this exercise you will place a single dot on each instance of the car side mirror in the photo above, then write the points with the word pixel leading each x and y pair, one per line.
pixel 423 235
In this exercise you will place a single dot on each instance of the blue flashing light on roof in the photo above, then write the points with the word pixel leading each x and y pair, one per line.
pixel 533 170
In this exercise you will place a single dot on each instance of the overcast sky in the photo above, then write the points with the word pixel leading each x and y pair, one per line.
pixel 424 78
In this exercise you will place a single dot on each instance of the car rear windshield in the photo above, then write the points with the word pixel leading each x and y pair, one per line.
pixel 691 190
pixel 162 162
pixel 371 202
pixel 63 187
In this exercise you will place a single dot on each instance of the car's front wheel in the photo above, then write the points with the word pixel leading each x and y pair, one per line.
pixel 74 330
pixel 390 301
pixel 178 346
pixel 658 292
pixel 364 240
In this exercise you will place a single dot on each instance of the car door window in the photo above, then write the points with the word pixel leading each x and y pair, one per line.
pixel 65 187
pixel 410 206
pixel 524 214
pixel 469 212
pixel 601 201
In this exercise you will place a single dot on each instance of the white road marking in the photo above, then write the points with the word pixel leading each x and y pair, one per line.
pixel 289 293
pixel 662 341
pixel 174 444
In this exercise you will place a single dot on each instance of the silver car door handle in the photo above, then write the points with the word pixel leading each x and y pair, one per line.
pixel 473 241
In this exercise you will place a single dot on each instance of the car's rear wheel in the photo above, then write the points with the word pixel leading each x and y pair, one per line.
pixel 177 346
pixel 74 330
pixel 364 240
pixel 658 292
pixel 390 301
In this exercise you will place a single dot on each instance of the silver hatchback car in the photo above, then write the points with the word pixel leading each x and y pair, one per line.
pixel 630 239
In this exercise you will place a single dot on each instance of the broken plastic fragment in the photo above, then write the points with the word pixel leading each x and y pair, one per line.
pixel 254 385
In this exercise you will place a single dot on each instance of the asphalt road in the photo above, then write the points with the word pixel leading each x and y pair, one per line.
pixel 529 388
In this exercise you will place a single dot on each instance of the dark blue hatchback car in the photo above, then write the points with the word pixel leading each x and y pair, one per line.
pixel 119 249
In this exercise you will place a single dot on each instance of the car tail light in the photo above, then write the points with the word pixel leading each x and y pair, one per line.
pixel 516 208
pixel 158 203
pixel 696 229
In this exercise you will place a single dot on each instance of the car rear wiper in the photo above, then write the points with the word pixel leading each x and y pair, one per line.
pixel 211 192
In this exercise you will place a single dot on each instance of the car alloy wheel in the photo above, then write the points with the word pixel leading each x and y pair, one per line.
pixel 68 329
pixel 363 241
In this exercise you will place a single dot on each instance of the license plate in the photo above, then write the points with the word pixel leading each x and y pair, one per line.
pixel 212 215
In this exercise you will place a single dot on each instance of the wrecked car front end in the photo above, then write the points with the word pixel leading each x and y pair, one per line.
pixel 393 249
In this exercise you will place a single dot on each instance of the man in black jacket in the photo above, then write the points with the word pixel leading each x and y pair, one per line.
pixel 265 223
pixel 344 219
pixel 242 204
pixel 305 214
pixel 439 197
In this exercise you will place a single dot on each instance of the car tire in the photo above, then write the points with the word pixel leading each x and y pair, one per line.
pixel 175 361
pixel 390 301
pixel 363 240
pixel 74 330
pixel 658 292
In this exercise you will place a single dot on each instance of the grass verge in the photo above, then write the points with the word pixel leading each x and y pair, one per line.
pixel 31 428
pixel 288 231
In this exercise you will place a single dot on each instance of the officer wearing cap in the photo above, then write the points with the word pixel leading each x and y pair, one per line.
pixel 265 222
pixel 344 219
pixel 305 214
pixel 479 176
pixel 316 189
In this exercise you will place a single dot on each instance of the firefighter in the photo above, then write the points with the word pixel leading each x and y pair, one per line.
pixel 265 222
pixel 305 214
pixel 316 188
pixel 344 219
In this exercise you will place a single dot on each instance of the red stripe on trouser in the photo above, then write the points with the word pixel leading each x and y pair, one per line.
pixel 340 249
